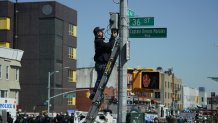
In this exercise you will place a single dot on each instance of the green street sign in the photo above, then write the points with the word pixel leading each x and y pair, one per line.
pixel 70 95
pixel 141 21
pixel 131 13
pixel 147 32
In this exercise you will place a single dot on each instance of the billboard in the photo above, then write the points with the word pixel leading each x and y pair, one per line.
pixel 150 80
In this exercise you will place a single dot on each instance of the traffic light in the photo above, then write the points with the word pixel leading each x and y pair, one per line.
pixel 114 20
pixel 136 79
pixel 150 80
pixel 197 115
pixel 157 95
pixel 45 103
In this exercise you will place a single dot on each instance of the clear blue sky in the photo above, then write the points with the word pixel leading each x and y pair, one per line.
pixel 191 46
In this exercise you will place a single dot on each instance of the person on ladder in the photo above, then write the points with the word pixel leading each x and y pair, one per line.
pixel 102 54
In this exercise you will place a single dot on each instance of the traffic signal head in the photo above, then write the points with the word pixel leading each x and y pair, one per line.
pixel 150 80
pixel 114 21
pixel 45 103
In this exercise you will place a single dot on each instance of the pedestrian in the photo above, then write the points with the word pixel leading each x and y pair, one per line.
pixel 0 119
pixel 9 118
pixel 102 54
pixel 156 120
pixel 71 118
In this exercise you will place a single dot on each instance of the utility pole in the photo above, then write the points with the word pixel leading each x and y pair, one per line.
pixel 122 84
pixel 49 87
pixel 15 36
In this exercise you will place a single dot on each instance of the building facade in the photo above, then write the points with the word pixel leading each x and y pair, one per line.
pixel 212 101
pixel 6 24
pixel 86 78
pixel 190 97
pixel 202 96
pixel 46 32
pixel 144 84
pixel 171 91
pixel 10 73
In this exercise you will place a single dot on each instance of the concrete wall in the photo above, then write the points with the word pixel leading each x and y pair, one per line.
pixel 190 97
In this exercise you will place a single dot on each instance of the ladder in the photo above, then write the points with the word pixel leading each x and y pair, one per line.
pixel 98 98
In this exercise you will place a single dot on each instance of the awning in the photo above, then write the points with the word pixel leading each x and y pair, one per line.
pixel 148 100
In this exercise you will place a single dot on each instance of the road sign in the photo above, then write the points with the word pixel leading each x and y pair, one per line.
pixel 141 21
pixel 131 13
pixel 147 32
pixel 70 95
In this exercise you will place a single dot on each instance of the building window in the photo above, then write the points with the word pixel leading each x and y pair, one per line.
pixel 72 30
pixel 3 93
pixel 4 23
pixel 0 71
pixel 72 75
pixel 71 53
pixel 71 101
pixel 17 74
pixel 7 72
pixel 202 99
pixel 5 44
pixel 165 84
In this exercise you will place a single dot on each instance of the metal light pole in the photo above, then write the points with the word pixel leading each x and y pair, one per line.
pixel 122 84
pixel 49 86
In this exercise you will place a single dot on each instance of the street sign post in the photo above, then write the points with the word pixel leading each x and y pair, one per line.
pixel 69 95
pixel 141 21
pixel 147 32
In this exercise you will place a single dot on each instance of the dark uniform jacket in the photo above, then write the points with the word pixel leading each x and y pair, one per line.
pixel 103 50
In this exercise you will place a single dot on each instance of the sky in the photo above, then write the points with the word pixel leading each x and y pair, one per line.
pixel 191 46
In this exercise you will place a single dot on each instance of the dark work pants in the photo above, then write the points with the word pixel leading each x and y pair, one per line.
pixel 99 67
